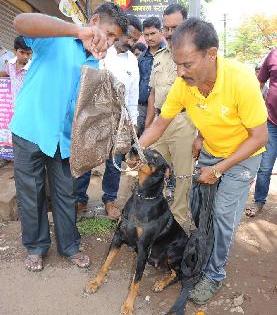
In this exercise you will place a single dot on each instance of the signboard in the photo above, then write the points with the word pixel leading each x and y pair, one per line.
pixel 144 8
pixel 6 113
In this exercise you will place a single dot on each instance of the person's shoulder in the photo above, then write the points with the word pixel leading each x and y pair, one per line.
pixel 237 70
pixel 181 84
pixel 161 51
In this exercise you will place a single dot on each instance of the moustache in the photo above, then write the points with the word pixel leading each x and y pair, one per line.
pixel 187 78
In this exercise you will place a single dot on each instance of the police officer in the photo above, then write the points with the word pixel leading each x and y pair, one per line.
pixel 176 143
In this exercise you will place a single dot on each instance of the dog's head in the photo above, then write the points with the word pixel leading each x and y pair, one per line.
pixel 155 167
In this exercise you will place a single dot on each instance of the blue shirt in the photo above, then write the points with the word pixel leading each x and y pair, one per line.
pixel 145 63
pixel 45 105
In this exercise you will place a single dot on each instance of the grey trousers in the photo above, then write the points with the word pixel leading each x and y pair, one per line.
pixel 230 200
pixel 30 165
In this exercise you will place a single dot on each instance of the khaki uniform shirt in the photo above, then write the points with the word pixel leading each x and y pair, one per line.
pixel 163 75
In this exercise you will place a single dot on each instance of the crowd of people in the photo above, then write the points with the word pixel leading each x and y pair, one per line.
pixel 185 100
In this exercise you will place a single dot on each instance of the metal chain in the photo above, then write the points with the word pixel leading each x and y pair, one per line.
pixel 125 116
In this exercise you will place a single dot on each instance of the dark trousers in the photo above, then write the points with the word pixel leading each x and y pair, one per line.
pixel 142 113
pixel 81 186
pixel 266 167
pixel 111 179
pixel 30 165
pixel 110 183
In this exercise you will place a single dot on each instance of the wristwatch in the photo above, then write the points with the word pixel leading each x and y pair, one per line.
pixel 216 173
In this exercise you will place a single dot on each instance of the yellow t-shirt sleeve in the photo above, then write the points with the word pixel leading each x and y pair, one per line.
pixel 175 100
pixel 251 106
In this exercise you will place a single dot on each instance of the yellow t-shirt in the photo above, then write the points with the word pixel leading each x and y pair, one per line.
pixel 234 105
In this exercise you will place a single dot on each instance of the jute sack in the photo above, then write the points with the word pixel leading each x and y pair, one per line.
pixel 96 118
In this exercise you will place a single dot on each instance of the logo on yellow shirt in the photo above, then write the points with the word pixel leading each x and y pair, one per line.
pixel 224 110
pixel 202 106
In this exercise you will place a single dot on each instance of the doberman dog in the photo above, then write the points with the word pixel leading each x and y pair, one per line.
pixel 148 226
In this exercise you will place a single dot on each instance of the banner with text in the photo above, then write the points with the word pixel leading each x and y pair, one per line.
pixel 144 8
pixel 6 113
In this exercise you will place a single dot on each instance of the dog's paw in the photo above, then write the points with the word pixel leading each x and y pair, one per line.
pixel 158 286
pixel 92 286
pixel 126 309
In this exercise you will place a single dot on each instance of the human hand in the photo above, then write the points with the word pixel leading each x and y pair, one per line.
pixel 94 40
pixel 196 147
pixel 207 175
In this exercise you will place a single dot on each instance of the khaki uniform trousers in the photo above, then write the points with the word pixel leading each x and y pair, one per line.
pixel 175 146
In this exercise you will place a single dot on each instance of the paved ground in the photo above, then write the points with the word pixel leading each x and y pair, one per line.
pixel 251 286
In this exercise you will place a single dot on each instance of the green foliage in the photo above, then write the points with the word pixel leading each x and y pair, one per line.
pixel 253 39
pixel 96 226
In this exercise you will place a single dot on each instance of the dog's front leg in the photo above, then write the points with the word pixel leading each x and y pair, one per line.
pixel 159 285
pixel 96 282
pixel 128 306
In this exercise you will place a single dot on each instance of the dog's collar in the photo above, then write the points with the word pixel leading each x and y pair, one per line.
pixel 146 198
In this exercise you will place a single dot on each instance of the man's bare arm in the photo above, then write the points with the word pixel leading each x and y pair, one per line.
pixel 40 25
pixel 258 137
pixel 154 132
pixel 150 109
pixel 256 140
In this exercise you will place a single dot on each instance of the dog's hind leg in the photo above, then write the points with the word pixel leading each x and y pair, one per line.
pixel 128 306
pixel 95 283
pixel 160 285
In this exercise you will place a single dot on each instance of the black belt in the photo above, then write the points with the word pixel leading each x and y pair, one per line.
pixel 158 111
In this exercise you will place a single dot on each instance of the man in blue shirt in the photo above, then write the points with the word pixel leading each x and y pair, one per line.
pixel 42 122
pixel 154 39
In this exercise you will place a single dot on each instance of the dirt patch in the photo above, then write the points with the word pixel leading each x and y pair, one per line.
pixel 250 287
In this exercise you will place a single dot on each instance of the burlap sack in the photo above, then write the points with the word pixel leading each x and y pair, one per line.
pixel 96 119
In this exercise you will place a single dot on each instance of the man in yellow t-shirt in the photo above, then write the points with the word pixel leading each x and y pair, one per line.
pixel 224 102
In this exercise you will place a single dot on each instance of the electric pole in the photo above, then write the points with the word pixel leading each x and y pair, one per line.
pixel 194 8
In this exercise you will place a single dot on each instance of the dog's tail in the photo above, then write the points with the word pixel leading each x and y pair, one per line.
pixel 179 306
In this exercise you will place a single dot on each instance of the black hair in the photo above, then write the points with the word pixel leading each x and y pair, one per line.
pixel 135 22
pixel 176 7
pixel 112 11
pixel 203 34
pixel 152 21
pixel 19 43
pixel 140 46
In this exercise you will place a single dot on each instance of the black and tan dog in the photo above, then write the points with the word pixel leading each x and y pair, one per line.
pixel 148 227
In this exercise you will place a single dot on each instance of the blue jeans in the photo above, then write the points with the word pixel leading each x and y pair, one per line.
pixel 230 199
pixel 110 183
pixel 81 186
pixel 267 164
pixel 111 179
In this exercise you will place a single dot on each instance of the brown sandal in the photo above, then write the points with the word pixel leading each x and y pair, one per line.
pixel 112 210
pixel 33 263
pixel 80 260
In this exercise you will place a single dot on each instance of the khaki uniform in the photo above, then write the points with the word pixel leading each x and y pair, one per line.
pixel 176 143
